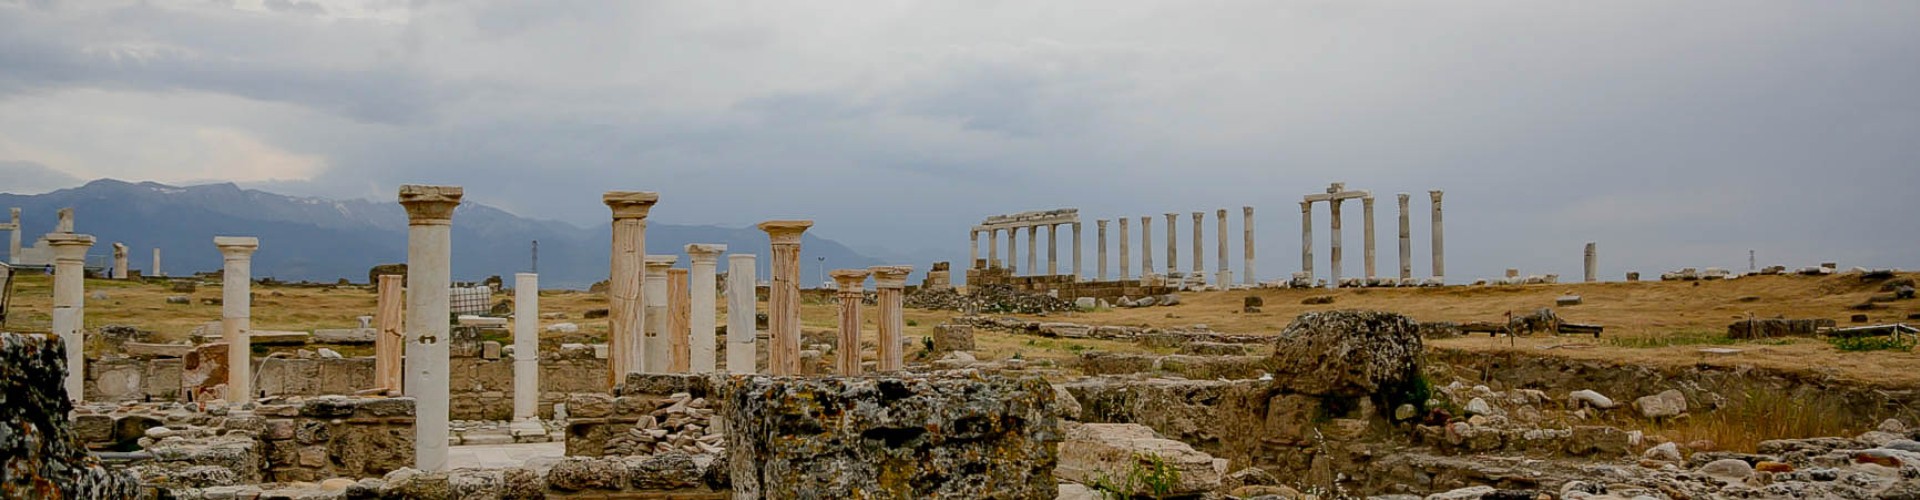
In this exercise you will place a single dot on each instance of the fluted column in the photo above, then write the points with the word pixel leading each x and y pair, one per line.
pixel 1076 253
pixel 1222 276
pixel 656 349
pixel 69 306
pixel 429 277
pixel 1126 261
pixel 1146 246
pixel 849 285
pixel 626 314
pixel 890 283
pixel 783 297
pixel 236 313
pixel 526 356
pixel 1406 240
pixel 119 261
pixel 1033 250
pixel 1199 246
pixel 1100 259
pixel 679 331
pixel 1306 239
pixel 1246 258
pixel 1592 262
pixel 1439 245
pixel 1053 249
pixel 973 249
pixel 703 305
pixel 1366 226
pixel 1173 243
pixel 741 329
pixel 1013 256
pixel 391 339
pixel 1333 269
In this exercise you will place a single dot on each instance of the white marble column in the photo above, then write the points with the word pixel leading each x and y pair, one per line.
pixel 1406 240
pixel 1033 250
pixel 1076 253
pixel 654 349
pixel 1439 245
pixel 849 286
pixel 1333 268
pixel 704 305
pixel 1126 261
pixel 156 262
pixel 993 248
pixel 1199 246
pixel 1013 257
pixel 1100 258
pixel 973 249
pixel 236 313
pixel 69 305
pixel 429 279
pixel 526 356
pixel 1053 249
pixel 889 283
pixel 1592 262
pixel 783 297
pixel 119 261
pixel 1306 239
pixel 626 314
pixel 1146 246
pixel 1173 243
pixel 1246 246
pixel 1366 226
pixel 13 237
pixel 741 304
pixel 66 220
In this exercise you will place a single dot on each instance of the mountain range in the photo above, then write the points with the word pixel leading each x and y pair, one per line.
pixel 323 240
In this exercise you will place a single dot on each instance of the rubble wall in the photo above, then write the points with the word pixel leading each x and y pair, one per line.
pixel 40 455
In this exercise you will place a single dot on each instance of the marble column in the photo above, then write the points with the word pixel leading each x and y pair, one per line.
pixel 69 305
pixel 1246 246
pixel 1053 249
pixel 1013 257
pixel 236 313
pixel 13 237
pixel 1199 246
pixel 1146 247
pixel 1173 243
pixel 704 305
pixel 1439 255
pixel 679 332
pixel 741 301
pixel 1100 255
pixel 1406 240
pixel 993 248
pixel 890 284
pixel 1222 276
pixel 119 260
pixel 1033 250
pixel 626 314
pixel 391 338
pixel 783 297
pixel 66 220
pixel 973 249
pixel 1333 268
pixel 156 262
pixel 429 279
pixel 1366 240
pixel 849 285
pixel 1306 239
pixel 1125 260
pixel 526 356
pixel 1593 261
pixel 655 351
pixel 1076 253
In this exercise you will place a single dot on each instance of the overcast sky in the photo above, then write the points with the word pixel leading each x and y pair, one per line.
pixel 1673 133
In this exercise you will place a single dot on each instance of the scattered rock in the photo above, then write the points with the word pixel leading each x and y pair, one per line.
pixel 325 353
pixel 1567 300
pixel 1668 452
pixel 1590 399
pixel 1468 493
pixel 1666 404
pixel 179 299
pixel 1478 406
pixel 1317 300
pixel 1002 299
pixel 1728 469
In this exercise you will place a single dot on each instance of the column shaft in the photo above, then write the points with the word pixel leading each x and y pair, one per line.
pixel 1246 259
pixel 13 238
pixel 1439 245
pixel 1076 253
pixel 391 338
pixel 1013 256
pixel 783 305
pixel 1366 240
pixel 1126 261
pixel 429 278
pixel 1406 240
pixel 679 331
pixel 1053 249
pixel 993 248
pixel 626 290
pixel 1199 246
pixel 526 351
pixel 69 306
pixel 973 249
pixel 656 349
pixel 890 284
pixel 1333 269
pixel 1146 246
pixel 156 263
pixel 1100 259
pixel 703 304
pixel 1592 261
pixel 741 303
pixel 1306 239
pixel 1173 244
pixel 1033 250
pixel 1225 277
pixel 848 283
pixel 236 305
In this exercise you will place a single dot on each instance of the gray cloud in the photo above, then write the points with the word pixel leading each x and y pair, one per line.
pixel 25 177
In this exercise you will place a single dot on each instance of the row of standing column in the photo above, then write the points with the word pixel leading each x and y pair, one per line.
pixel 1033 255
pixel 1406 247
pixel 1222 275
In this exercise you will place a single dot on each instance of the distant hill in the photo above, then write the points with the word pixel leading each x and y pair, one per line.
pixel 317 239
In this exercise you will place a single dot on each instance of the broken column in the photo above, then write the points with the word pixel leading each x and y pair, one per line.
pixel 1222 276
pixel 626 314
pixel 391 339
pixel 1406 241
pixel 973 249
pixel 1306 239
pixel 1125 264
pixel 993 248
pixel 1592 262
pixel 1246 229
pixel 156 262
pixel 741 330
pixel 889 283
pixel 69 304
pixel 429 282
pixel 1439 257
pixel 119 261
pixel 655 353
pixel 526 356
pixel 1366 226
pixel 236 313
pixel 679 332
pixel 704 305
pixel 1173 243
pixel 1199 247
pixel 66 220
pixel 1146 247
pixel 848 283
pixel 783 297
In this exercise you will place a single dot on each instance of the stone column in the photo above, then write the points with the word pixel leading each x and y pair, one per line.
pixel 156 262
pixel 1246 257
pixel 429 279
pixel 1100 258
pixel 1366 226
pixel 1439 255
pixel 1146 247
pixel 1033 250
pixel 1199 247
pixel 1126 261
pixel 973 249
pixel 849 283
pixel 1306 239
pixel 679 333
pixel 626 316
pixel 1076 252
pixel 1406 240
pixel 119 261
pixel 741 329
pixel 66 221
pixel 236 313
pixel 1013 257
pixel 1593 261
pixel 526 356
pixel 391 339
pixel 1333 268
pixel 13 237
pixel 1223 277
pixel 704 306
pixel 655 351
pixel 69 305
pixel 783 298
pixel 1053 249
pixel 1173 243
pixel 993 248
pixel 889 283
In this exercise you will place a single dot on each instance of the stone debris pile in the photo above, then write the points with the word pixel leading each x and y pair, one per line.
pixel 679 423
pixel 1000 299
pixel 40 456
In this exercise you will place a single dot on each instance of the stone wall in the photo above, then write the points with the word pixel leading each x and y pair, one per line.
pixel 598 424
pixel 1065 286
pixel 40 454
pixel 336 436
pixel 313 439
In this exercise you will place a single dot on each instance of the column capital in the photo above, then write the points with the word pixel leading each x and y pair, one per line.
pixel 430 205
pixel 630 204
pixel 1199 216
pixel 890 276
pixel 660 263
pixel 1247 209
pixel 69 246
pixel 1221 213
pixel 705 253
pixel 1306 206
pixel 1403 197
pixel 1435 194
pixel 785 232
pixel 1368 199
pixel 1172 215
pixel 849 281
pixel 1101 223
pixel 236 247
pixel 119 247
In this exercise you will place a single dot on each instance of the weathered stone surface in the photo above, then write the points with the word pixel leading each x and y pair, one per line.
pixel 1113 452
pixel 1666 404
pixel 40 454
pixel 948 338
pixel 344 336
pixel 1347 353
pixel 891 437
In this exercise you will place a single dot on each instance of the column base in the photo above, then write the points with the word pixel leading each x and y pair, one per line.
pixel 1223 278
pixel 526 427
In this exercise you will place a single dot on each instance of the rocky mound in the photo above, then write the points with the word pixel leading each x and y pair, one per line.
pixel 43 456
pixel 1347 353
pixel 1000 299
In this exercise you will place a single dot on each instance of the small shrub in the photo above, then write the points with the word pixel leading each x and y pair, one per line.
pixel 913 323
pixel 1864 344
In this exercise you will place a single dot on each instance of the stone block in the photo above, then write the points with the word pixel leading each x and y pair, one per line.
pixel 344 335
pixel 948 338
pixel 1166 468
pixel 891 437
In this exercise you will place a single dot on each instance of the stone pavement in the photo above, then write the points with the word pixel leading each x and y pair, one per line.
pixel 501 455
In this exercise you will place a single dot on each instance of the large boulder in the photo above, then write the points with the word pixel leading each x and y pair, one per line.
pixel 1666 404
pixel 1347 353
pixel 40 454
pixel 1132 455
pixel 891 437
